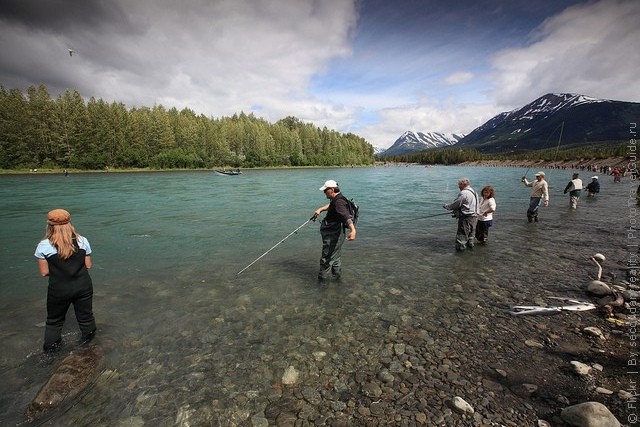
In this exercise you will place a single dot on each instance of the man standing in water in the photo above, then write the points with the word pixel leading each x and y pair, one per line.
pixel 539 192
pixel 593 187
pixel 465 207
pixel 333 229
pixel 574 187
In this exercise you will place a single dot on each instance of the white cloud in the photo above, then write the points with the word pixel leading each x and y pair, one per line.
pixel 216 57
pixel 459 78
pixel 429 115
pixel 588 49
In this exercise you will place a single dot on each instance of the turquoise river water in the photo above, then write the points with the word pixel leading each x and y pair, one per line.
pixel 176 320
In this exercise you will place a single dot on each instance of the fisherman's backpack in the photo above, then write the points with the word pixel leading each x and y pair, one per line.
pixel 354 210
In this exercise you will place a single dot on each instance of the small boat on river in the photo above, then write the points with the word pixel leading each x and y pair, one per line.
pixel 229 172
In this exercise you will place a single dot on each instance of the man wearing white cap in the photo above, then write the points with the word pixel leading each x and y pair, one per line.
pixel 539 193
pixel 593 187
pixel 332 229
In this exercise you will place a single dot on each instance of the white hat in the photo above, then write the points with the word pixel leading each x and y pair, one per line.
pixel 540 174
pixel 594 177
pixel 329 184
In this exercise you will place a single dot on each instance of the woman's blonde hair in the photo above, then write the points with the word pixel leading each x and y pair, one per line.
pixel 61 236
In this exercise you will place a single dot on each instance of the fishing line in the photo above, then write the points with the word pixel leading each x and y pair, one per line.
pixel 430 216
pixel 559 139
pixel 546 142
pixel 274 246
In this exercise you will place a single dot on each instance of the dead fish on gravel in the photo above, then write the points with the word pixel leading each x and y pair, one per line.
pixel 575 305
pixel 70 377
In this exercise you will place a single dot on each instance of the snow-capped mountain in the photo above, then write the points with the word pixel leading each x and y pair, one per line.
pixel 541 108
pixel 537 125
pixel 411 142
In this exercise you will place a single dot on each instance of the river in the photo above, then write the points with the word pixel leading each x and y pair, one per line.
pixel 180 329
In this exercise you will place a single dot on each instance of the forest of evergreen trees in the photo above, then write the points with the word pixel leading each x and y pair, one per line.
pixel 453 156
pixel 37 131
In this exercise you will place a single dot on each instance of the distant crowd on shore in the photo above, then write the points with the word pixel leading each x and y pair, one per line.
pixel 602 166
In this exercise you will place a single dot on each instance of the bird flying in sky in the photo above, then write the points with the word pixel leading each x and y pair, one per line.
pixel 70 52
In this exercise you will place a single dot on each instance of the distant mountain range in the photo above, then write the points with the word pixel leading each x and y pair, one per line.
pixel 410 142
pixel 537 126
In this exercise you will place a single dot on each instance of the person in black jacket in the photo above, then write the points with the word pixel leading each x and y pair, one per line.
pixel 333 229
pixel 65 257
pixel 593 187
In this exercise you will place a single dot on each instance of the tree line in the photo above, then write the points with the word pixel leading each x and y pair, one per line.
pixel 37 131
pixel 442 156
pixel 453 156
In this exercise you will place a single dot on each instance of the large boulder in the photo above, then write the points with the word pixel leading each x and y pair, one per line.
pixel 589 414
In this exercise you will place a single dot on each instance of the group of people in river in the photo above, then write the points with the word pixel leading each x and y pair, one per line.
pixel 475 213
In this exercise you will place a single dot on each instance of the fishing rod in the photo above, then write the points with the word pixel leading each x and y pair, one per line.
pixel 559 139
pixel 557 148
pixel 274 246
pixel 430 216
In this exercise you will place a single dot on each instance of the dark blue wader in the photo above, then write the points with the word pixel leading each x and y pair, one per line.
pixel 333 237
pixel 69 283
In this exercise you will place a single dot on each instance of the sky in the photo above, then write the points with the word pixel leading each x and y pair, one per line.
pixel 376 68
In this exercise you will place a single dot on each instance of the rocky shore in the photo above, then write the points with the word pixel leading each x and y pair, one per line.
pixel 580 164
pixel 454 363
pixel 541 376
pixel 474 366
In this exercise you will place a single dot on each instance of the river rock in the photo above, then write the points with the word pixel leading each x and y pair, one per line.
pixel 589 414
pixel 624 395
pixel 458 404
pixel 524 390
pixel 593 331
pixel 533 343
pixel 372 389
pixel 385 376
pixel 631 295
pixel 502 373
pixel 290 376
pixel 580 368
pixel 70 377
pixel 319 355
pixel 259 421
